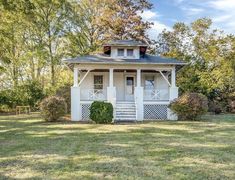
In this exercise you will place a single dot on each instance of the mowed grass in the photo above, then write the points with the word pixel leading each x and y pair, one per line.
pixel 33 149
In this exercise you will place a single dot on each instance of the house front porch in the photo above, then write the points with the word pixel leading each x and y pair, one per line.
pixel 135 93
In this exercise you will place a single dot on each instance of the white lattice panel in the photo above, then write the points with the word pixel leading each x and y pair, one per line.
pixel 86 111
pixel 155 111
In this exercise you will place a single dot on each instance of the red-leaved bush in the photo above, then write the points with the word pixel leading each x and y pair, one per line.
pixel 189 106
pixel 53 107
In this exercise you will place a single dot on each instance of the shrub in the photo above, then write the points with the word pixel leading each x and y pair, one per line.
pixel 65 92
pixel 29 93
pixel 101 112
pixel 52 108
pixel 189 106
pixel 215 107
pixel 232 106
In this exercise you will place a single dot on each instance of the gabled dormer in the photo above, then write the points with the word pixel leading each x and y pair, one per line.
pixel 125 49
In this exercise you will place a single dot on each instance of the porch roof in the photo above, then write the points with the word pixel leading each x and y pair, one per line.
pixel 103 59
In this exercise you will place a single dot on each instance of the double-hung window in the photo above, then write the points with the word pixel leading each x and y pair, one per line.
pixel 98 82
pixel 149 83
pixel 121 52
pixel 130 52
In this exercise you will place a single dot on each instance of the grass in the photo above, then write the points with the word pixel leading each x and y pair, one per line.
pixel 33 149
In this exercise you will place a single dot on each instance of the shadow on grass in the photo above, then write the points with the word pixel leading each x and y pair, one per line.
pixel 34 149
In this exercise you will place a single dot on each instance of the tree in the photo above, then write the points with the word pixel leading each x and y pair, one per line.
pixel 98 21
pixel 210 54
pixel 11 46
pixel 49 17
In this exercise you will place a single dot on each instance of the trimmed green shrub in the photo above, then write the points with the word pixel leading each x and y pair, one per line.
pixel 101 112
pixel 52 108
pixel 189 106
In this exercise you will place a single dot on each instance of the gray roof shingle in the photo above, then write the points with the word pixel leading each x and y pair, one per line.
pixel 125 43
pixel 103 59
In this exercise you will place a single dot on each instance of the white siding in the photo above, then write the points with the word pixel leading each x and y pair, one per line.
pixel 136 53
pixel 120 86
pixel 119 83
pixel 88 83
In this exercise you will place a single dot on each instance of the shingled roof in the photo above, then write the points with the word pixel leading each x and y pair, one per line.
pixel 125 43
pixel 102 59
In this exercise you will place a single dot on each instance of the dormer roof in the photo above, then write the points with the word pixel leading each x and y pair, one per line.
pixel 125 43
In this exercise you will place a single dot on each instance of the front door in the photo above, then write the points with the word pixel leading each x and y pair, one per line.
pixel 129 87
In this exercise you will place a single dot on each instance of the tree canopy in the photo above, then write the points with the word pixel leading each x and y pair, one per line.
pixel 210 54
pixel 36 35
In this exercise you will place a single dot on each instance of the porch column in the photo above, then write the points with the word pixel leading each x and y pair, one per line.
pixel 173 94
pixel 75 98
pixel 111 91
pixel 139 92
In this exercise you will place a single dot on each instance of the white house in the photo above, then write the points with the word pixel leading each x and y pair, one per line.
pixel 139 86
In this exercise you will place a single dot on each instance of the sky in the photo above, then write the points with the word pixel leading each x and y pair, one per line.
pixel 166 13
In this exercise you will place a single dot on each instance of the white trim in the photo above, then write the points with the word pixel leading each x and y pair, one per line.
pixel 125 63
pixel 75 77
pixel 138 77
pixel 173 77
pixel 165 78
pixel 125 95
pixel 130 66
pixel 111 77
pixel 157 102
pixel 84 77
pixel 88 102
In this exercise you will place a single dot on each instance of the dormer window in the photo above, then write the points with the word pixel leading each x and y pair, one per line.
pixel 130 52
pixel 121 52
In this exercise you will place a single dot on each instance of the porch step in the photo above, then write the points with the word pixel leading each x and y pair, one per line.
pixel 125 111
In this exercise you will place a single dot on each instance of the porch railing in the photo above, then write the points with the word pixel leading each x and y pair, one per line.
pixel 156 94
pixel 93 94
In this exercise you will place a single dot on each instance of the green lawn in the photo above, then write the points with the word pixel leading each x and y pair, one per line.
pixel 33 149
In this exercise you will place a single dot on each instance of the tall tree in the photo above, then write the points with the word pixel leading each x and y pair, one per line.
pixel 49 18
pixel 12 42
pixel 94 22
pixel 209 53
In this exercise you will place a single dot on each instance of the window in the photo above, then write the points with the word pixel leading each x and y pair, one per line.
pixel 130 52
pixel 120 52
pixel 149 82
pixel 130 81
pixel 98 82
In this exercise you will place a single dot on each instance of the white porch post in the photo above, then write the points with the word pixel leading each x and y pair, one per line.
pixel 139 92
pixel 75 98
pixel 173 94
pixel 111 91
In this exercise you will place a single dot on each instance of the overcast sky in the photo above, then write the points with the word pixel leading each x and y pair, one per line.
pixel 166 12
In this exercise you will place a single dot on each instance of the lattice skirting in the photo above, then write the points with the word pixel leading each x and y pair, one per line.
pixel 86 111
pixel 155 111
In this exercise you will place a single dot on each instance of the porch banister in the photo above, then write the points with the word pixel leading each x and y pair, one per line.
pixel 75 77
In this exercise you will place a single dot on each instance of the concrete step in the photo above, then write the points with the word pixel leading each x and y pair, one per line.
pixel 125 119
pixel 124 113
pixel 125 102
pixel 125 107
